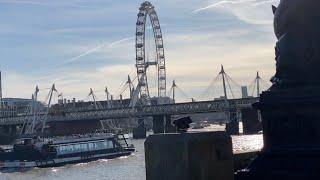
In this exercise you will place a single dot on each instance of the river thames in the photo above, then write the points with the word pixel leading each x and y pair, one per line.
pixel 124 168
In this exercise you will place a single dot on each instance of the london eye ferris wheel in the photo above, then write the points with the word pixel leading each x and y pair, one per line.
pixel 143 63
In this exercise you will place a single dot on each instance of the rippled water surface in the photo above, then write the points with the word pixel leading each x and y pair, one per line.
pixel 124 168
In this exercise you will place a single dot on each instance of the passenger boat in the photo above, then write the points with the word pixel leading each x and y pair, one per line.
pixel 32 149
pixel 31 152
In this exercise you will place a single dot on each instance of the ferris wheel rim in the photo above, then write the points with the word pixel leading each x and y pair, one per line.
pixel 147 10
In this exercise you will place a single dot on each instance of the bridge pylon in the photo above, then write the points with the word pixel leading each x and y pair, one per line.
pixel 223 75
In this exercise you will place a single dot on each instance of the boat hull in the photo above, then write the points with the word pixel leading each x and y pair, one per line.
pixel 61 161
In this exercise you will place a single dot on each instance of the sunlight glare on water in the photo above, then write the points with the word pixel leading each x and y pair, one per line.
pixel 125 168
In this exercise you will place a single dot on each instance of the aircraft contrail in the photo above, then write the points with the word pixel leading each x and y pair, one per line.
pixel 107 45
pixel 38 3
pixel 221 3
pixel 265 2
pixel 22 2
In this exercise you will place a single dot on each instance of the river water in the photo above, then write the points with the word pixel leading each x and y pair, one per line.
pixel 125 168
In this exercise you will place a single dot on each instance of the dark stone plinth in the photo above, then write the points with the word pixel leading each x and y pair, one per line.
pixel 189 156
pixel 291 124
pixel 296 165
pixel 291 118
pixel 140 131
pixel 250 121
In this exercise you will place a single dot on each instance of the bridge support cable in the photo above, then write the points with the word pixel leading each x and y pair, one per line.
pixel 53 89
pixel 109 99
pixel 34 109
pixel 128 86
pixel 230 88
pixel 258 85
pixel 172 91
pixel 226 79
pixel 27 126
pixel 96 103
pixel 230 82
pixel 207 92
pixel 264 85
pixel 254 88
pixel 98 106
pixel 35 121
pixel 184 94
pixel 236 85
pixel 251 87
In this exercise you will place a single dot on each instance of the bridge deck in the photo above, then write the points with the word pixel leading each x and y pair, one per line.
pixel 140 111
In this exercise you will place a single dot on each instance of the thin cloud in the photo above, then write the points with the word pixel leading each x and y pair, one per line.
pixel 222 3
pixel 38 3
pixel 265 2
pixel 95 49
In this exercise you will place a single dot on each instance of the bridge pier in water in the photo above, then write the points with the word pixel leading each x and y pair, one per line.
pixel 232 127
pixel 162 124
pixel 140 132
pixel 8 134
pixel 250 121
pixel 73 127
pixel 10 129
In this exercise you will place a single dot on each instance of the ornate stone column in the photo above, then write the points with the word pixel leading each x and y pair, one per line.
pixel 290 110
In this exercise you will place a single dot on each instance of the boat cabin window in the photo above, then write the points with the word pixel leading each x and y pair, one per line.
pixel 25 141
pixel 85 146
pixel 124 140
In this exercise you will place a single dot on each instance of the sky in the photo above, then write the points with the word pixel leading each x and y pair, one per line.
pixel 83 44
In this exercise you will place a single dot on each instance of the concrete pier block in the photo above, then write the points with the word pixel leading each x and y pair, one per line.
pixel 189 156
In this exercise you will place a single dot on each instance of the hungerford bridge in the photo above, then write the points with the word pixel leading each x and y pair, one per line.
pixel 140 105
